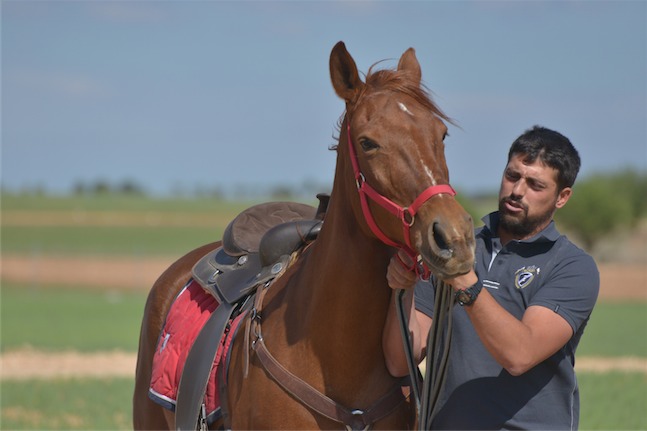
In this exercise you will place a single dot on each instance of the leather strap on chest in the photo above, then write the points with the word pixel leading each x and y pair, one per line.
pixel 307 394
pixel 320 403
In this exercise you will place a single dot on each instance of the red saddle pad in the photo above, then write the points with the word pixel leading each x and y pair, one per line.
pixel 189 312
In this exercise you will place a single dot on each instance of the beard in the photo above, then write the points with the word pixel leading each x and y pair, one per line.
pixel 521 225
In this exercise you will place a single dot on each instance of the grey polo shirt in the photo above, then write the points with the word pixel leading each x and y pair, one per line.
pixel 546 270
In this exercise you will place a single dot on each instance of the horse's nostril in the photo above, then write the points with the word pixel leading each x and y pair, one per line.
pixel 444 249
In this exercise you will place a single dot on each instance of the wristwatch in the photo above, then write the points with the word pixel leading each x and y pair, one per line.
pixel 468 296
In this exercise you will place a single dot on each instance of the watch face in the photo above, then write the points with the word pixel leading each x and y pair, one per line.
pixel 463 297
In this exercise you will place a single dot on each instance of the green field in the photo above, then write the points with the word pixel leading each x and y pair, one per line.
pixel 152 227
pixel 58 318
pixel 62 318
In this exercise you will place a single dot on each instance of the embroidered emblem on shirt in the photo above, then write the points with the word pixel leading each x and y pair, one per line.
pixel 524 276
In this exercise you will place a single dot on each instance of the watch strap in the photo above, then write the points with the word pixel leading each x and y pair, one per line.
pixel 471 292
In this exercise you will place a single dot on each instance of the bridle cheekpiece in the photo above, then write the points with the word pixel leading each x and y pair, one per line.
pixel 407 215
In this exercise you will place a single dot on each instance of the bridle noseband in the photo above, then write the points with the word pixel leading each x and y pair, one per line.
pixel 407 215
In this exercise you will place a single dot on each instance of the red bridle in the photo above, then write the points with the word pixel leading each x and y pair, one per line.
pixel 406 214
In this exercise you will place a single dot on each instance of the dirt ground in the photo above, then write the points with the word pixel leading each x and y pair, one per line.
pixel 618 282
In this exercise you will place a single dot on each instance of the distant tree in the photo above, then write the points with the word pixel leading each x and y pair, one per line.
pixel 101 187
pixel 634 185
pixel 602 204
pixel 130 187
pixel 282 192
pixel 79 188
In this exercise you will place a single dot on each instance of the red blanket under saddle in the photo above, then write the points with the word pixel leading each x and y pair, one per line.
pixel 187 315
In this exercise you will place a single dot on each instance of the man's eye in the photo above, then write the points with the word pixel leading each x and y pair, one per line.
pixel 511 176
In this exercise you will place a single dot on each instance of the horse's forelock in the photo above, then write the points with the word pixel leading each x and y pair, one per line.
pixel 400 81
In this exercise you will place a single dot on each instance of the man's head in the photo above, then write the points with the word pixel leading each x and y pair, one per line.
pixel 541 169
pixel 552 149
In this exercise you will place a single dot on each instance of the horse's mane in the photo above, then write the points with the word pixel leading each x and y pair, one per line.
pixel 399 82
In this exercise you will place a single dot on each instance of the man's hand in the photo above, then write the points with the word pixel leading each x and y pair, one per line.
pixel 397 275
pixel 463 281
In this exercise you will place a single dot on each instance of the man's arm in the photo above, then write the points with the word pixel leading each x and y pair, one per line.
pixel 517 345
pixel 419 326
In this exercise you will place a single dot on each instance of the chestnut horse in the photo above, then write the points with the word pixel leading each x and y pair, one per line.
pixel 322 320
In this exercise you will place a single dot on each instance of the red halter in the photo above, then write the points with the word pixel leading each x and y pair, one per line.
pixel 406 214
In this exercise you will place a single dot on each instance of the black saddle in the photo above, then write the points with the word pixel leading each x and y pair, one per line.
pixel 256 247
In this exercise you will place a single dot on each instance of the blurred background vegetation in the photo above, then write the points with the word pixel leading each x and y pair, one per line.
pixel 604 206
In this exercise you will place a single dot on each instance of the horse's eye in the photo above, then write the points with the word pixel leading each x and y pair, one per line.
pixel 368 145
pixel 445 136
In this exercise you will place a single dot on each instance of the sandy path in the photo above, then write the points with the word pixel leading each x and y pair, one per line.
pixel 33 364
pixel 618 281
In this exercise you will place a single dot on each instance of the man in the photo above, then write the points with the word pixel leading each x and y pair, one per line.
pixel 520 312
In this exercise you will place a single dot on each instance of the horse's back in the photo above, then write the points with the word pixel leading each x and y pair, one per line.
pixel 147 414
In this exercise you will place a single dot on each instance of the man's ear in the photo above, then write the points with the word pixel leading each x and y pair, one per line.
pixel 563 197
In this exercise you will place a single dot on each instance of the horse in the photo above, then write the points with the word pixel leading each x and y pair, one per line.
pixel 322 319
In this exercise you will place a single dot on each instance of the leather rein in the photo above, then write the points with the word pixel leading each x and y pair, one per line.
pixel 407 215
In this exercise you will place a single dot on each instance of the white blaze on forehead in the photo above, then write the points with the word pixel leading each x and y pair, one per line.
pixel 404 108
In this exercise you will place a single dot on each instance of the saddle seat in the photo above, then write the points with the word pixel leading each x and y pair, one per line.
pixel 256 247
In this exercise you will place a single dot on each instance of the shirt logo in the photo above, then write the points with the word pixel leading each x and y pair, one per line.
pixel 524 276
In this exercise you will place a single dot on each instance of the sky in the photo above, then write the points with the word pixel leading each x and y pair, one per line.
pixel 236 95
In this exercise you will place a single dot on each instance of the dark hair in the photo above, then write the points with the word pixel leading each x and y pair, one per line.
pixel 551 148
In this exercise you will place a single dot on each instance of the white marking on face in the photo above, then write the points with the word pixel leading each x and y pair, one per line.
pixel 430 174
pixel 404 108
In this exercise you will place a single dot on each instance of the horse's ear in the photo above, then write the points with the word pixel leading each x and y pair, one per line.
pixel 409 63
pixel 343 73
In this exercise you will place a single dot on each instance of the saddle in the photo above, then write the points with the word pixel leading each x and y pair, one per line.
pixel 256 249
pixel 256 246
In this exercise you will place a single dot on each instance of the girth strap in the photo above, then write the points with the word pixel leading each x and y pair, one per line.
pixel 320 403
pixel 197 368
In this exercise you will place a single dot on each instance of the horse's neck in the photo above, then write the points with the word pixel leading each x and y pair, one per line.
pixel 345 276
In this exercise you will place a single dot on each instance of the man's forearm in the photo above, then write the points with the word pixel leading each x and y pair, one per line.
pixel 517 345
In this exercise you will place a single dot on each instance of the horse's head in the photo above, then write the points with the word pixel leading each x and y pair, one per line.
pixel 392 139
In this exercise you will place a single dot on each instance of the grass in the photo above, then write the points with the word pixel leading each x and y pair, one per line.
pixel 608 401
pixel 157 226
pixel 613 401
pixel 616 329
pixel 59 318
pixel 87 404
pixel 117 202
pixel 116 241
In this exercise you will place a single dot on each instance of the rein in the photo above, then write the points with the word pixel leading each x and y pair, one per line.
pixel 407 215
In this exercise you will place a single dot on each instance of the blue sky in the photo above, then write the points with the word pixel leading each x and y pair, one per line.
pixel 176 95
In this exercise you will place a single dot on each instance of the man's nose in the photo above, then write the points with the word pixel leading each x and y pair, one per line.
pixel 518 188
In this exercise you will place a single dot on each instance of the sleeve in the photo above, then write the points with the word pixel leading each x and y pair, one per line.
pixel 571 289
pixel 424 295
